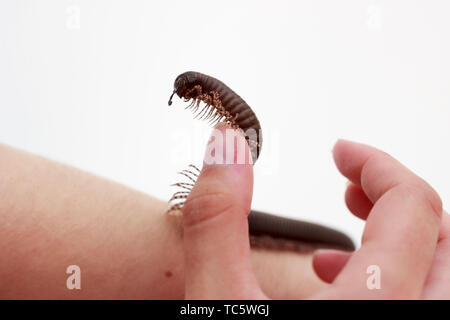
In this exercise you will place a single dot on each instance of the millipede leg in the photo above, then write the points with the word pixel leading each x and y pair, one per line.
pixel 197 88
pixel 191 104
pixel 173 209
pixel 192 166
pixel 187 176
pixel 198 114
pixel 192 174
pixel 187 186
pixel 180 193
pixel 174 197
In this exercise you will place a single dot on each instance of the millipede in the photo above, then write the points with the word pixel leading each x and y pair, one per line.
pixel 221 104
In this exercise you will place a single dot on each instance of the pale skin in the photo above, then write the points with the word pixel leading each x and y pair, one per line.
pixel 407 234
pixel 53 216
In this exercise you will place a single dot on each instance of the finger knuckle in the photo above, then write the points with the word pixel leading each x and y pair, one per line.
pixel 376 169
pixel 374 172
pixel 423 193
pixel 433 198
pixel 206 206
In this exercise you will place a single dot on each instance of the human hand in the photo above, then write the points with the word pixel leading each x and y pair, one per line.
pixel 406 234
pixel 403 235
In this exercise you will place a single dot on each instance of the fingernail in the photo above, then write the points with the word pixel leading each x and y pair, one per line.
pixel 226 146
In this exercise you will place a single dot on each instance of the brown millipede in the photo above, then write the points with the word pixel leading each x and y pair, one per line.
pixel 221 104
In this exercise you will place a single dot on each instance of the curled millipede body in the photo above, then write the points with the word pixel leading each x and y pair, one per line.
pixel 221 104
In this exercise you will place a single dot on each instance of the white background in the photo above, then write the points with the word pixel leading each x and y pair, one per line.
pixel 87 82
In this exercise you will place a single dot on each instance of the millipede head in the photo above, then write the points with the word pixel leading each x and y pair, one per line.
pixel 221 104
pixel 182 84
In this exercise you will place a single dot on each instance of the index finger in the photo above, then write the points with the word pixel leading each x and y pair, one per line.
pixel 401 231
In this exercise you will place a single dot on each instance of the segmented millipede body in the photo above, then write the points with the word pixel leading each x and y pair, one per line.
pixel 221 104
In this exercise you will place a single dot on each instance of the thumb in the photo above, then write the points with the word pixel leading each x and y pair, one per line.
pixel 216 242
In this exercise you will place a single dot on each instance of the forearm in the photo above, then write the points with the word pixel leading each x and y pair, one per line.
pixel 53 216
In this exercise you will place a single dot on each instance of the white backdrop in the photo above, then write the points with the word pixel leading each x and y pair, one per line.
pixel 87 82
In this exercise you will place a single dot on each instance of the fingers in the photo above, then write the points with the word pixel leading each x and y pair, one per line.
pixel 328 263
pixel 438 281
pixel 217 249
pixel 357 201
pixel 376 172
pixel 401 231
